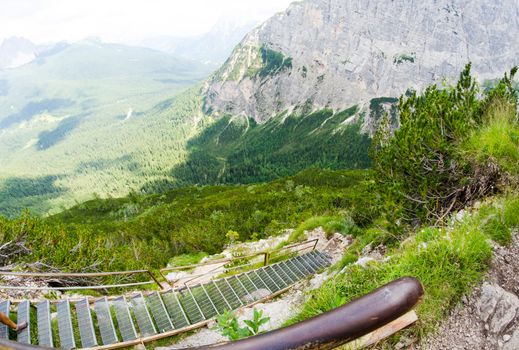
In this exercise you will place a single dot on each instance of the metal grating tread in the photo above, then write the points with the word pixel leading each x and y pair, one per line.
pixel 271 284
pixel 276 277
pixel 238 287
pixel 4 308
pixel 319 260
pixel 257 281
pixel 43 324
pixel 159 313
pixel 175 311
pixel 312 261
pixel 309 263
pixel 24 315
pixel 105 322
pixel 142 315
pixel 85 324
pixel 204 302
pixel 65 331
pixel 124 319
pixel 303 266
pixel 288 271
pixel 283 273
pixel 230 294
pixel 217 298
pixel 190 307
pixel 246 282
pixel 295 269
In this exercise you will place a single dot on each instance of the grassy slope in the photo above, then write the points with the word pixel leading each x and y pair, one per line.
pixel 448 261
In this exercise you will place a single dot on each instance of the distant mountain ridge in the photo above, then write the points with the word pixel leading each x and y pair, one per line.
pixel 211 48
pixel 17 51
pixel 339 53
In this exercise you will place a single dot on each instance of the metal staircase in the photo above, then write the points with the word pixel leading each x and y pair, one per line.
pixel 124 321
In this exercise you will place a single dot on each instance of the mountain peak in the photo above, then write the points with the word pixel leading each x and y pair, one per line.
pixel 16 51
pixel 337 54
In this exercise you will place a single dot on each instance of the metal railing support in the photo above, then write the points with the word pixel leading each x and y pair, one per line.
pixel 83 275
pixel 341 325
pixel 266 258
pixel 373 312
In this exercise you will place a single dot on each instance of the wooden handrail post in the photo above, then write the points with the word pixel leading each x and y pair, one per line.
pixel 155 280
pixel 171 283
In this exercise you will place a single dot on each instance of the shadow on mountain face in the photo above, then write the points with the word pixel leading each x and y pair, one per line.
pixel 47 139
pixel 123 162
pixel 33 108
pixel 241 152
pixel 18 193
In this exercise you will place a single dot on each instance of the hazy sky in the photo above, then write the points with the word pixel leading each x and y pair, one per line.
pixel 125 21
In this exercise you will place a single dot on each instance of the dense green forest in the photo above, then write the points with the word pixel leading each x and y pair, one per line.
pixel 178 146
pixel 241 151
pixel 92 118
pixel 147 230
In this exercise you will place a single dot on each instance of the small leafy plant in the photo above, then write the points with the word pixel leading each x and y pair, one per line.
pixel 228 325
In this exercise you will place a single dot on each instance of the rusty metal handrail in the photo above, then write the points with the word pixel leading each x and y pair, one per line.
pixel 341 325
pixel 266 260
pixel 326 331
pixel 154 280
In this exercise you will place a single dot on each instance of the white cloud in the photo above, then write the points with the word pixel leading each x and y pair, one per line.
pixel 127 21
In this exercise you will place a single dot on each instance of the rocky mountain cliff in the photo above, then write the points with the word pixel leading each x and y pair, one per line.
pixel 339 53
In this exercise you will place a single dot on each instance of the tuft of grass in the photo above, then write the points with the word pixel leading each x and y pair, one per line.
pixel 498 138
pixel 187 259
pixel 497 230
pixel 511 211
pixel 330 225
pixel 498 218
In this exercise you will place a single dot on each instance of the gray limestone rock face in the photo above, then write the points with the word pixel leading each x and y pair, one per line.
pixel 497 307
pixel 513 342
pixel 340 53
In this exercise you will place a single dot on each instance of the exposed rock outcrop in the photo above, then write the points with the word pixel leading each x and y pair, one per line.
pixel 497 308
pixel 339 53
pixel 489 317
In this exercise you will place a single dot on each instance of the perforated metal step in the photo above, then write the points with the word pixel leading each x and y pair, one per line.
pixel 105 321
pixel 44 325
pixel 24 315
pixel 124 319
pixel 4 308
pixel 157 312
pixel 85 324
pixel 66 333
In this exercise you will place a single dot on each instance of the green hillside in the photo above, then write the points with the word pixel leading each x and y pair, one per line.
pixel 147 230
pixel 96 120
pixel 241 151
pixel 66 130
